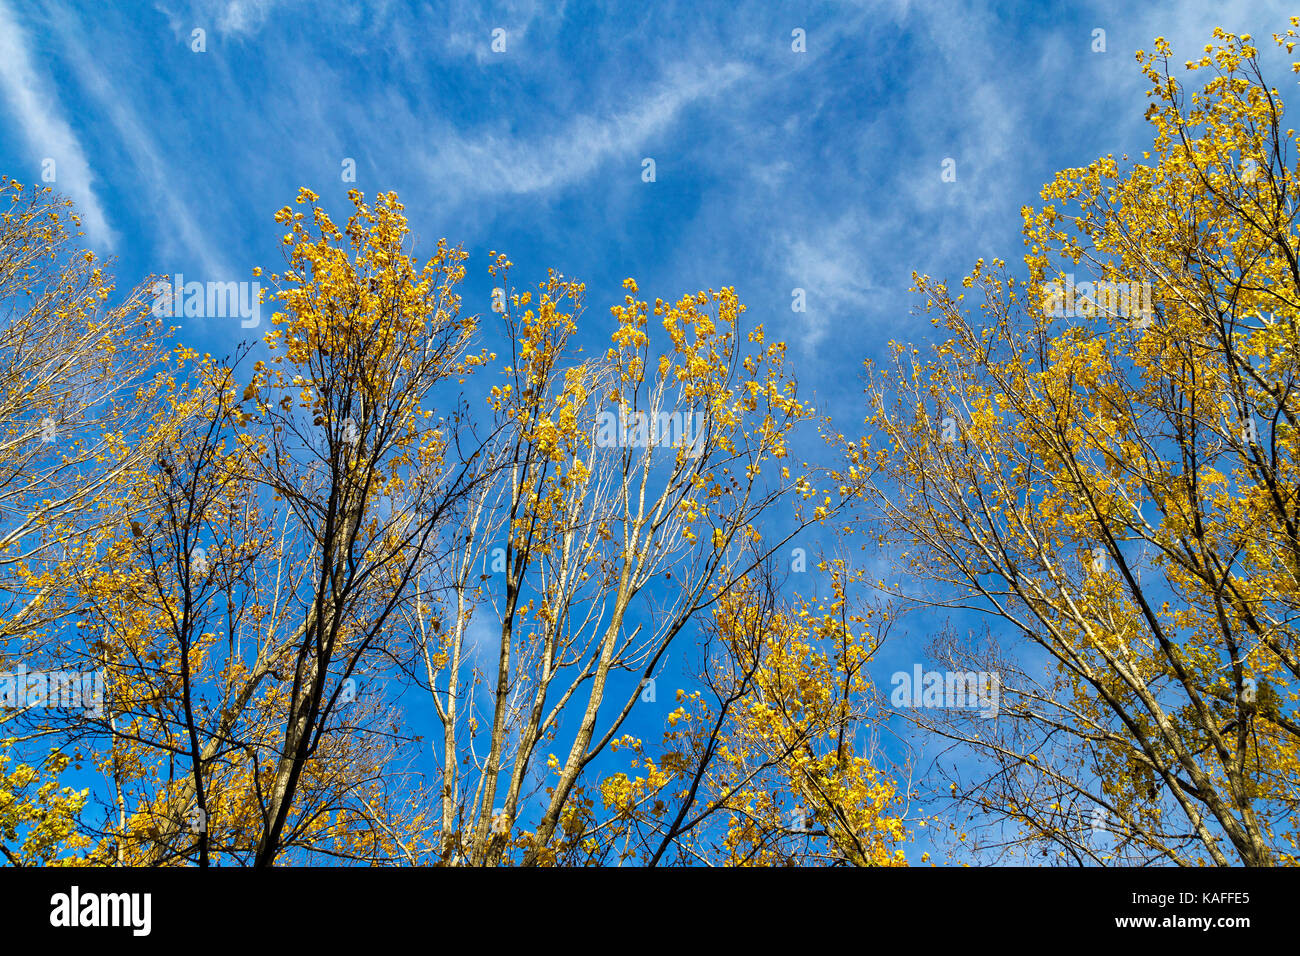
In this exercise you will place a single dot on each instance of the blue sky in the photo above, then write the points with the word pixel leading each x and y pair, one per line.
pixel 775 169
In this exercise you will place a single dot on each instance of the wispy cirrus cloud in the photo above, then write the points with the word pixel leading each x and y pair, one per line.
pixel 471 26
pixel 35 105
pixel 490 165
pixel 829 264
pixel 228 17
pixel 172 216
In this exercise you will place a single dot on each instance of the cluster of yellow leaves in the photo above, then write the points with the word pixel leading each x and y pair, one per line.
pixel 38 818
pixel 794 745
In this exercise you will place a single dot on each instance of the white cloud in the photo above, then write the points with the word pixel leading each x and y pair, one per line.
pixel 36 106
pixel 242 16
pixel 227 17
pixel 172 215
pixel 471 27
pixel 491 165
pixel 830 265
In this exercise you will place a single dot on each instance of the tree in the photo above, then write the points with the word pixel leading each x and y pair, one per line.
pixel 775 763
pixel 612 473
pixel 282 528
pixel 70 387
pixel 1116 486
pixel 288 541
pixel 75 385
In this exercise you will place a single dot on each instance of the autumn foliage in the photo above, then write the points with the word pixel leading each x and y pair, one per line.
pixel 404 583
pixel 1117 488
